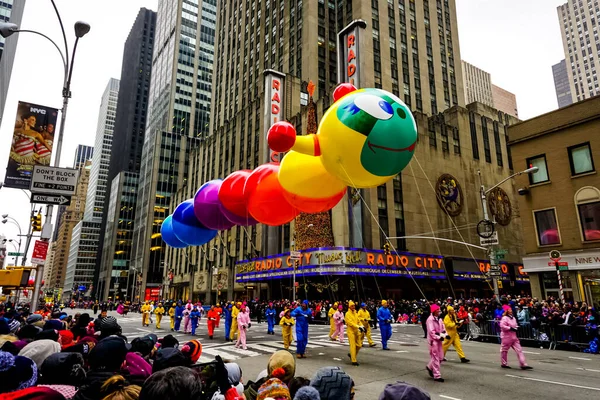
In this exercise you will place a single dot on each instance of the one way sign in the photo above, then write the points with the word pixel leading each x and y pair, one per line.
pixel 56 200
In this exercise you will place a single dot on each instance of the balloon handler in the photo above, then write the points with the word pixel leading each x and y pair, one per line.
pixel 302 314
pixel 508 335
pixel 385 318
pixel 211 320
pixel 436 334
pixel 355 332
pixel 286 323
pixel 365 318
pixel 452 324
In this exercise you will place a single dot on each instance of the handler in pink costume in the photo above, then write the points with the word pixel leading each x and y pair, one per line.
pixel 508 334
pixel 243 321
pixel 436 333
pixel 338 319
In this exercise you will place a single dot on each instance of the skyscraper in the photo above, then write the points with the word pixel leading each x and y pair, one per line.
pixel 178 117
pixel 102 149
pixel 578 21
pixel 126 153
pixel 505 101
pixel 478 85
pixel 82 155
pixel 561 84
pixel 10 11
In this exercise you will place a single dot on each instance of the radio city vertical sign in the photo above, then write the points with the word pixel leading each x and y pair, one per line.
pixel 274 94
pixel 349 52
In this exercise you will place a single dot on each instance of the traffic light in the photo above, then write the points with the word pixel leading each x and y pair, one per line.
pixel 36 223
pixel 387 249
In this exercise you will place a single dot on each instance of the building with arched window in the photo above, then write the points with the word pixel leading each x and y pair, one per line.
pixel 560 204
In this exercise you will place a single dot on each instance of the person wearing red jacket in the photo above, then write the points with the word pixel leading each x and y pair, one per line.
pixel 211 319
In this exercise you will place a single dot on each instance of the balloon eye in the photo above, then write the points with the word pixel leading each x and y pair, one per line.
pixel 401 113
pixel 374 106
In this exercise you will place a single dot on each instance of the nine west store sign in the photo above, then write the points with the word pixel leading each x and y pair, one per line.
pixel 577 260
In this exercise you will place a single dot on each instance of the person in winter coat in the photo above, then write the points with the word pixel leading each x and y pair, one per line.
pixel 235 311
pixel 186 321
pixel 172 316
pixel 365 318
pixel 286 323
pixel 303 314
pixel 338 318
pixel 243 323
pixel 178 316
pixel 330 313
pixel 452 323
pixel 159 311
pixel 436 334
pixel 508 335
pixel 355 332
pixel 228 322
pixel 194 316
pixel 271 314
pixel 211 320
pixel 145 314
pixel 385 318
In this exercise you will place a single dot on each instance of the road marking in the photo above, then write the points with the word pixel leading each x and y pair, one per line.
pixel 555 383
pixel 258 337
pixel 262 348
pixel 587 369
pixel 321 354
pixel 401 351
pixel 531 352
pixel 327 344
pixel 337 359
pixel 243 352
pixel 448 397
pixel 144 330
pixel 581 358
pixel 216 351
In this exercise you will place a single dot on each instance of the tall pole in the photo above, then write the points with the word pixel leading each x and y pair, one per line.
pixel 560 284
pixel 492 251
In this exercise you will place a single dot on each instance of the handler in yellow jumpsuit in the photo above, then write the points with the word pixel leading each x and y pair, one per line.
pixel 145 313
pixel 286 323
pixel 364 317
pixel 355 330
pixel 330 313
pixel 172 316
pixel 235 310
pixel 452 324
pixel 159 311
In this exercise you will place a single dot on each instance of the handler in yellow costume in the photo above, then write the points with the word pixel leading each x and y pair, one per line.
pixel 235 310
pixel 159 311
pixel 364 317
pixel 172 316
pixel 286 323
pixel 355 330
pixel 330 313
pixel 145 314
pixel 452 324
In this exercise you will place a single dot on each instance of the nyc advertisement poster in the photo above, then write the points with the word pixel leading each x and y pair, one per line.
pixel 31 143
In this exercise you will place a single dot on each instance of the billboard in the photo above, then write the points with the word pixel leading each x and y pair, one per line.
pixel 31 143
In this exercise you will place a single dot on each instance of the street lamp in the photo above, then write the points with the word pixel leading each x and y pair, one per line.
pixel 484 192
pixel 10 219
pixel 81 29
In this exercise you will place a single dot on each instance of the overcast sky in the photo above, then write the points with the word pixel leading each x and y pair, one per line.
pixel 517 41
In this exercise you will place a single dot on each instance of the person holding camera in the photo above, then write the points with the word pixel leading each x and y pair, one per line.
pixel 452 324
pixel 436 333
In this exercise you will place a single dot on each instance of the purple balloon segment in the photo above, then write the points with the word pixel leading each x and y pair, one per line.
pixel 207 207
pixel 237 219
pixel 187 228
pixel 168 236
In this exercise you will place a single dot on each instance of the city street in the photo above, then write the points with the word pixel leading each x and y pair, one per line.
pixel 563 374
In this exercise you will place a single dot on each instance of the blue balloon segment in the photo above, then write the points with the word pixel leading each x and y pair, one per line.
pixel 187 228
pixel 168 236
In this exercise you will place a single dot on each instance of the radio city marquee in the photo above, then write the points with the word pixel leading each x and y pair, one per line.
pixel 341 261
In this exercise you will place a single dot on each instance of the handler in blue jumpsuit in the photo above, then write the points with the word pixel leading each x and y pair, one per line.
pixel 384 316
pixel 178 315
pixel 270 312
pixel 303 314
pixel 228 319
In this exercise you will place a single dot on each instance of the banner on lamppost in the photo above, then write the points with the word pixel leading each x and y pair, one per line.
pixel 31 145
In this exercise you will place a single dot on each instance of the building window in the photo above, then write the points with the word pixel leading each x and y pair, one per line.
pixel 474 143
pixel 580 158
pixel 546 227
pixel 542 174
pixel 587 200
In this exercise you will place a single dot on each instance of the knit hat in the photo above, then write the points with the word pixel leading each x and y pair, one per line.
pixel 39 350
pixel 143 345
pixel 108 326
pixel 137 366
pixel 152 337
pixel 307 393
pixel 351 303
pixel 28 332
pixel 332 383
pixel 193 349
pixel 33 318
pixel 16 373
pixel 449 308
pixel 66 339
pixel 63 369
pixel 54 324
pixel 433 308
pixel 49 334
pixel 384 302
pixel 403 391
pixel 340 307
pixel 35 393
pixel 108 354
pixel 169 357
pixel 506 307
pixel 282 365
pixel 168 341
pixel 13 325
pixel 274 389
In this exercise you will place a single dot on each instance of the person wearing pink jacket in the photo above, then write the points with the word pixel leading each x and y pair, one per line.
pixel 338 319
pixel 436 333
pixel 243 321
pixel 508 335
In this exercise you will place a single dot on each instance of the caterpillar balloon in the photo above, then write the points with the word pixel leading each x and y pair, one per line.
pixel 364 139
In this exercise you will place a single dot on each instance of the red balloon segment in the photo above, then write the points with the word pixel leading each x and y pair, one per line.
pixel 313 205
pixel 231 196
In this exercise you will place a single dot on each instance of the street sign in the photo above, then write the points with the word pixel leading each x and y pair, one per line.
pixel 562 265
pixel 501 252
pixel 52 180
pixel 52 199
pixel 495 268
pixel 295 255
pixel 39 252
pixel 485 228
pixel 490 241
pixel 555 255
pixel 15 254
pixel 495 273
